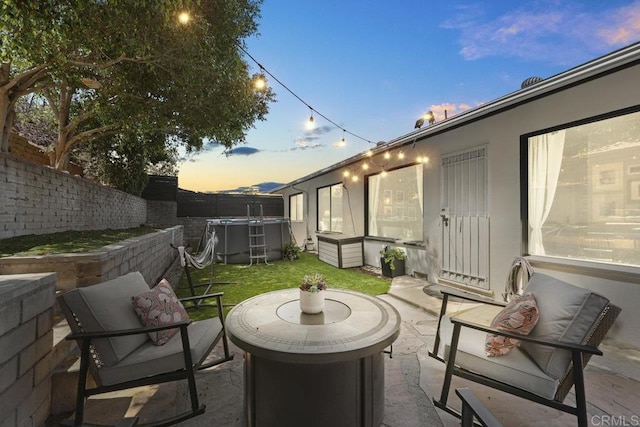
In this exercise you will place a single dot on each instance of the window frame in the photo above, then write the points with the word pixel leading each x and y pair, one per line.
pixel 318 216
pixel 563 263
pixel 367 232
pixel 300 216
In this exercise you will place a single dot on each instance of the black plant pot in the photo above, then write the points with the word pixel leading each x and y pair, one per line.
pixel 397 271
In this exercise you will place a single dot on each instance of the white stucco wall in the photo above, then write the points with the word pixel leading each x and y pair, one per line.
pixel 501 133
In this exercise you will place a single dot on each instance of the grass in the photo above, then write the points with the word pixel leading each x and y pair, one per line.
pixel 67 241
pixel 282 274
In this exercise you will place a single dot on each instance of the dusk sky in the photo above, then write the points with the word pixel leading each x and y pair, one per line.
pixel 375 67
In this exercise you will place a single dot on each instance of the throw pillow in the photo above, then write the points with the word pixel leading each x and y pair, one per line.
pixel 160 306
pixel 519 316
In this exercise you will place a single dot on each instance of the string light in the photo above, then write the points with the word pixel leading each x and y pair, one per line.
pixel 184 18
pixel 310 124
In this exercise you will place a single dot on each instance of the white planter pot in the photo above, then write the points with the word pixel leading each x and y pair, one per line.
pixel 311 302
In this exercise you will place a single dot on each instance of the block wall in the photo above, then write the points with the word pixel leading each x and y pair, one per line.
pixel 150 254
pixel 26 338
pixel 40 200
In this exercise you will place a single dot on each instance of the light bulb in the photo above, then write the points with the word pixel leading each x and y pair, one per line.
pixel 401 155
pixel 184 18
pixel 346 173
pixel 354 178
pixel 387 155
pixel 260 83
pixel 383 174
pixel 365 166
pixel 310 124
pixel 369 153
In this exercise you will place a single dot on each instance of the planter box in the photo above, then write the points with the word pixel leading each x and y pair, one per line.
pixel 341 251
pixel 388 272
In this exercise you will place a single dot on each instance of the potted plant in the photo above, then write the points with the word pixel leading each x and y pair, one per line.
pixel 291 251
pixel 312 293
pixel 392 261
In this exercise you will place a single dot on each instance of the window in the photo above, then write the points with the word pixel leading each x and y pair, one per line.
pixel 296 211
pixel 583 195
pixel 330 208
pixel 395 204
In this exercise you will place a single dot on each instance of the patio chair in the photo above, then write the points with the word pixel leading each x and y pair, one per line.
pixel 122 353
pixel 549 360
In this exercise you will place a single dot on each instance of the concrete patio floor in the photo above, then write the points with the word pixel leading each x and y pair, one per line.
pixel 412 378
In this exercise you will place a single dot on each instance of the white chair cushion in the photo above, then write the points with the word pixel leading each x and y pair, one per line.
pixel 567 313
pixel 514 368
pixel 107 307
pixel 150 359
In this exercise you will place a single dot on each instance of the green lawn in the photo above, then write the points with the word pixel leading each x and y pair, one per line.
pixel 67 241
pixel 282 274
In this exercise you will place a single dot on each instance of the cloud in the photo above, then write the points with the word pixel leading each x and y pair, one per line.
pixel 303 144
pixel 310 137
pixel 451 109
pixel 320 130
pixel 563 34
pixel 241 151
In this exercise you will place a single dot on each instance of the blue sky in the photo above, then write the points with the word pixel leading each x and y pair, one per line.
pixel 374 67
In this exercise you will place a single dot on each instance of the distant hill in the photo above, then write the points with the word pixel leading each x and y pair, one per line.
pixel 263 187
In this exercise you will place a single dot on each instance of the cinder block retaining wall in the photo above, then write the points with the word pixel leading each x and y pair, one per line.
pixel 150 254
pixel 26 338
pixel 40 200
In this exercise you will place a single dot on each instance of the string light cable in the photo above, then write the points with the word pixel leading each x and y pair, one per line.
pixel 313 110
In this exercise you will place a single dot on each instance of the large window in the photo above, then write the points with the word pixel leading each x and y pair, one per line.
pixel 330 208
pixel 584 191
pixel 295 207
pixel 395 204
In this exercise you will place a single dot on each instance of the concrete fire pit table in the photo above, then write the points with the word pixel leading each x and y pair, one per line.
pixel 307 370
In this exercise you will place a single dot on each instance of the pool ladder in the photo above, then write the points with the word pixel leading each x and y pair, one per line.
pixel 257 238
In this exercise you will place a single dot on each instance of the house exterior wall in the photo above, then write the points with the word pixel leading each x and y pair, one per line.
pixel 500 131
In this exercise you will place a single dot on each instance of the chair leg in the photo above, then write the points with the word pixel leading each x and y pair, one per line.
pixel 82 382
pixel 436 343
pixel 579 388
pixel 448 374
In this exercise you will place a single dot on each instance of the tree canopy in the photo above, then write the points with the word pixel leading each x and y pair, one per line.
pixel 129 72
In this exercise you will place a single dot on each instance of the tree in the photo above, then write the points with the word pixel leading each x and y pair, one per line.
pixel 127 68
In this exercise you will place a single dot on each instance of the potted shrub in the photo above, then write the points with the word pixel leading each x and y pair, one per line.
pixel 392 261
pixel 291 251
pixel 312 293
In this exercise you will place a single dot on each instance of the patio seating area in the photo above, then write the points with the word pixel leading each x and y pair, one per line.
pixel 412 378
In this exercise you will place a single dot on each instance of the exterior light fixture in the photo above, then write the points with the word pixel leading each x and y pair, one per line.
pixel 365 166
pixel 428 117
pixel 354 178
pixel 387 155
pixel 346 174
pixel 401 155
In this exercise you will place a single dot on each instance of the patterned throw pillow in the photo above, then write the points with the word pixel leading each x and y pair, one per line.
pixel 519 316
pixel 160 306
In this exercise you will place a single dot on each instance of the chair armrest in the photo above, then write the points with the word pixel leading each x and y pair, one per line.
pixel 550 343
pixel 216 295
pixel 472 297
pixel 125 332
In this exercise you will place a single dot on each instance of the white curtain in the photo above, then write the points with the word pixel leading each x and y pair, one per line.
pixel 374 198
pixel 545 161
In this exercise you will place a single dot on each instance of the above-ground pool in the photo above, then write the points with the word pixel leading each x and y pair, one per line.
pixel 232 238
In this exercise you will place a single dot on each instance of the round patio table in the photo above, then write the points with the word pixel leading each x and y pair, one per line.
pixel 308 370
